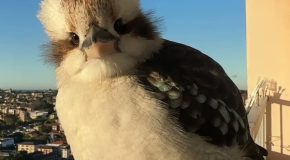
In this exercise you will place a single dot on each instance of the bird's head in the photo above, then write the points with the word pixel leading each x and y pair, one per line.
pixel 97 39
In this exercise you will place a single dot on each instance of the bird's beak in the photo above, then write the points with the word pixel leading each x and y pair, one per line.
pixel 99 43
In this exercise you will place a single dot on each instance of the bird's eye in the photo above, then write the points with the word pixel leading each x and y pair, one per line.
pixel 120 27
pixel 74 39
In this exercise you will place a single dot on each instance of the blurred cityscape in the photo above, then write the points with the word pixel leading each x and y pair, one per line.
pixel 29 127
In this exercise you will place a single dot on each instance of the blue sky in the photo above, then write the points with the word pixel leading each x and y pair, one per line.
pixel 217 28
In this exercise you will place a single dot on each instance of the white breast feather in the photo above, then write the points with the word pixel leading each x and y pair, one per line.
pixel 119 120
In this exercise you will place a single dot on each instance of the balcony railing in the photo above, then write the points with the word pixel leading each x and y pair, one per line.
pixel 266 114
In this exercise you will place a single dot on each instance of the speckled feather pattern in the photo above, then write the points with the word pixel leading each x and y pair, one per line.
pixel 197 91
pixel 213 113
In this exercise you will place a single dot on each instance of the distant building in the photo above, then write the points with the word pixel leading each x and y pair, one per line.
pixel 37 128
pixel 6 142
pixel 57 143
pixel 23 116
pixel 29 147
pixel 32 133
pixel 4 110
pixel 65 152
pixel 12 111
pixel 52 116
pixel 55 127
pixel 37 95
pixel 38 114
pixel 29 109
pixel 45 149
pixel 8 91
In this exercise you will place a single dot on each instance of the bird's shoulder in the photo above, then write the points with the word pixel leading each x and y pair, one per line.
pixel 196 90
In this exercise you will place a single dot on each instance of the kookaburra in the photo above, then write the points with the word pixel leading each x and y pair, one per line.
pixel 127 94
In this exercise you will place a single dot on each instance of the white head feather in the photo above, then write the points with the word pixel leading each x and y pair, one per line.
pixel 61 17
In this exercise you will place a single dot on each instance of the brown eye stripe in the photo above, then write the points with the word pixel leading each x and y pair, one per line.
pixel 142 26
pixel 56 51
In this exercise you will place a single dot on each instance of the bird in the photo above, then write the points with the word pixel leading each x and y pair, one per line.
pixel 124 92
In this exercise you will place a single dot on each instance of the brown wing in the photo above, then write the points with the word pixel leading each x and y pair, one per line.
pixel 199 93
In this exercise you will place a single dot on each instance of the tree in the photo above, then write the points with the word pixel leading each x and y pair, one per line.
pixel 10 120
pixel 40 139
pixel 26 137
pixel 18 137
pixel 45 129
pixel 41 105
pixel 18 156
pixel 22 155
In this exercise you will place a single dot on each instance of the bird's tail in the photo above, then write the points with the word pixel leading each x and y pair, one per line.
pixel 262 151
pixel 256 152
